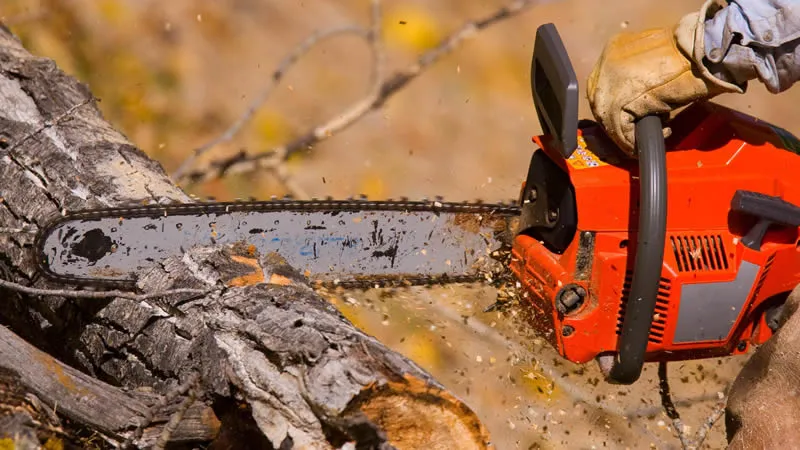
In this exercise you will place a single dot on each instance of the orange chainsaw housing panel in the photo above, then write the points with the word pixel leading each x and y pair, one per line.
pixel 714 290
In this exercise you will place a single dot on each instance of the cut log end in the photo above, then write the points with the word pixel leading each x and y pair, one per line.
pixel 413 414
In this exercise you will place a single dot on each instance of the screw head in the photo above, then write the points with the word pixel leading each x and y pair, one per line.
pixel 552 215
pixel 567 330
pixel 533 194
pixel 741 346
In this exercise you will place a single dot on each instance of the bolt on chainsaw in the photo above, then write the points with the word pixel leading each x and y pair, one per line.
pixel 687 251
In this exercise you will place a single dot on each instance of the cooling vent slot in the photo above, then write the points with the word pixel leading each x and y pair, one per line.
pixel 763 276
pixel 699 253
pixel 662 308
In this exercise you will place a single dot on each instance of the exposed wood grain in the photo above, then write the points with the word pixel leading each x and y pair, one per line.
pixel 276 363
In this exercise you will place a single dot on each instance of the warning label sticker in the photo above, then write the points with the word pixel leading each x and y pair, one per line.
pixel 583 158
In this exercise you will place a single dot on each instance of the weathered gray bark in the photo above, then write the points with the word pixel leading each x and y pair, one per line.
pixel 278 366
pixel 35 378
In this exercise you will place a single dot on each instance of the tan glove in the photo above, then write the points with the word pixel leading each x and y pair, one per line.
pixel 651 73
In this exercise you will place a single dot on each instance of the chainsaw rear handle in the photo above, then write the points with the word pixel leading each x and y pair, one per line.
pixel 649 258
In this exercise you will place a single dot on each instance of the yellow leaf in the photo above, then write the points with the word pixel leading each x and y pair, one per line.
pixel 54 443
pixel 539 384
pixel 295 159
pixel 372 186
pixel 270 128
pixel 504 73
pixel 352 313
pixel 419 348
pixel 112 10
pixel 411 28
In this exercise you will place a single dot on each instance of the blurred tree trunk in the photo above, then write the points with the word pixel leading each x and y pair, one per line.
pixel 265 363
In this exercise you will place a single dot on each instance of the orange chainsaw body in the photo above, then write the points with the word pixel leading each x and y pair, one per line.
pixel 714 292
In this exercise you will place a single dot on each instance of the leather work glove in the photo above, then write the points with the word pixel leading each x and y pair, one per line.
pixel 651 73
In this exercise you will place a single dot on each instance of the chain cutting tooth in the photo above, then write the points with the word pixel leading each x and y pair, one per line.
pixel 362 197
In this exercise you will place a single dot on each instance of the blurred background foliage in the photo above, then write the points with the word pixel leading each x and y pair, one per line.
pixel 174 74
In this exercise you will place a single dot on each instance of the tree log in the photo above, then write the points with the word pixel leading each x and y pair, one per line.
pixel 261 362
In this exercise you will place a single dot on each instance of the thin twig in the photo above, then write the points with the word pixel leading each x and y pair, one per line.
pixel 24 17
pixel 275 79
pixel 278 168
pixel 49 123
pixel 715 415
pixel 9 230
pixel 100 294
pixel 174 421
pixel 666 401
pixel 669 407
pixel 277 164
pixel 147 418
pixel 376 44
pixel 244 162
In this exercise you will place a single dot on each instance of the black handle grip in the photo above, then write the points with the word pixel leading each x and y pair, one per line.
pixel 649 256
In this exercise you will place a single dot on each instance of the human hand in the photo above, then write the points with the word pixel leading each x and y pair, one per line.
pixel 649 73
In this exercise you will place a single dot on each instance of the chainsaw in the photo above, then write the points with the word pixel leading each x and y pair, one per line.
pixel 614 263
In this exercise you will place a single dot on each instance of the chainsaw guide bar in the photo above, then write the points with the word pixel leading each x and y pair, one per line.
pixel 348 243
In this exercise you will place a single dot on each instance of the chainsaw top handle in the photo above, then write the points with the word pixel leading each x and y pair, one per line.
pixel 555 95
pixel 649 258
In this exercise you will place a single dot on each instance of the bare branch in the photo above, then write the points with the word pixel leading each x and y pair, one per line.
pixel 286 64
pixel 687 443
pixel 147 418
pixel 174 420
pixel 244 162
pixel 9 230
pixel 192 386
pixel 68 293
pixel 669 407
pixel 278 165
pixel 24 17
pixel 716 413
